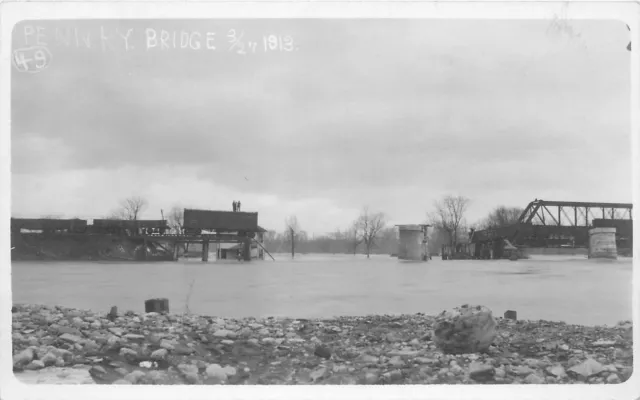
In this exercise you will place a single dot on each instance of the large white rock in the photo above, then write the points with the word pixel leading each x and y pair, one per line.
pixel 465 329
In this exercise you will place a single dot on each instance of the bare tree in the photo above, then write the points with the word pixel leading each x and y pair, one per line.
pixel 449 216
pixel 175 219
pixel 370 224
pixel 130 208
pixel 292 228
pixel 501 216
pixel 353 236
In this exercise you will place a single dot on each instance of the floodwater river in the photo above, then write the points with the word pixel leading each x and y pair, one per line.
pixel 575 290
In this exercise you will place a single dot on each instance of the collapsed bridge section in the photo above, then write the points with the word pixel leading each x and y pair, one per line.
pixel 546 223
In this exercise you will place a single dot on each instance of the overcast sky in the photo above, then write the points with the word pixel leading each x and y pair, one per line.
pixel 389 114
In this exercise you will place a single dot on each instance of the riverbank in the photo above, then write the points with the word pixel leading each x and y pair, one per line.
pixel 57 344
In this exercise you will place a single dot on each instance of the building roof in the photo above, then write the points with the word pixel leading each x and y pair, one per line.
pixel 221 221
pixel 130 224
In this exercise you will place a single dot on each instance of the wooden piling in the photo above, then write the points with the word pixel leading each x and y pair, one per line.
pixel 247 249
pixel 205 250
pixel 156 305
pixel 175 251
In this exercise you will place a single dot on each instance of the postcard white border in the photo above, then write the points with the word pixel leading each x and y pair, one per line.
pixel 11 13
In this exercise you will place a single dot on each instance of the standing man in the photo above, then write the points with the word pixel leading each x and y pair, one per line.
pixel 235 206
pixel 238 206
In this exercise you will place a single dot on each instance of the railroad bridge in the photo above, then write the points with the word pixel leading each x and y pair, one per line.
pixel 201 227
pixel 545 223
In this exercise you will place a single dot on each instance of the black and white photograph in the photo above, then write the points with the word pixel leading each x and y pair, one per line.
pixel 367 201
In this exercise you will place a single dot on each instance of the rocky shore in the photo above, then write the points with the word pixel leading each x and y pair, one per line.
pixel 63 345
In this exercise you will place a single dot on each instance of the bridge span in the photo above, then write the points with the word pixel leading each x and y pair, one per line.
pixel 548 223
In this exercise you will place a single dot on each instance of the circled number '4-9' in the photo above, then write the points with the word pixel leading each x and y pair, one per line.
pixel 31 59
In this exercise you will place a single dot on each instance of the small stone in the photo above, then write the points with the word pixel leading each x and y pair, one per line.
pixel 23 358
pixel 371 378
pixel 393 338
pixel 159 354
pixel 588 368
pixel 396 361
pixel 67 337
pixel 188 369
pixel 165 344
pixel 610 368
pixel 367 359
pixel 613 379
pixel 216 371
pixel 393 376
pixel 318 374
pixel 128 352
pixel 500 372
pixel 322 351
pixel 604 343
pixel 223 333
pixel 148 364
pixel 480 372
pixel 35 365
pixel 230 371
pixel 404 353
pixel 534 379
pixel 522 370
pixel 72 331
pixel 134 376
pixel 557 371
pixel 133 336
pixel 227 341
pixel 49 359
pixel 121 382
pixel 116 331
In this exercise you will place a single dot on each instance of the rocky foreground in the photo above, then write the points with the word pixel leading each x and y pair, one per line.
pixel 63 345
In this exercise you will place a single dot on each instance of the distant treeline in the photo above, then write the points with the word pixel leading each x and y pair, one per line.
pixel 343 242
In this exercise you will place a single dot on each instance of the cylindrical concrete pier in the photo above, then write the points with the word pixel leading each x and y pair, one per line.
pixel 602 243
pixel 412 243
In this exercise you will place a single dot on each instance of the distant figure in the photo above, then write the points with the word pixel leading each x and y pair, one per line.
pixel 235 206
pixel 238 206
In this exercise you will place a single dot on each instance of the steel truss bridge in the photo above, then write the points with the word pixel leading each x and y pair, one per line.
pixel 546 223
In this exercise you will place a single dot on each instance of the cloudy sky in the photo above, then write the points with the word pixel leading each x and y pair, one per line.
pixel 388 114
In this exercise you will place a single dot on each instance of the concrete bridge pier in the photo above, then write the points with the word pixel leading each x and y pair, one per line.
pixel 602 243
pixel 412 244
